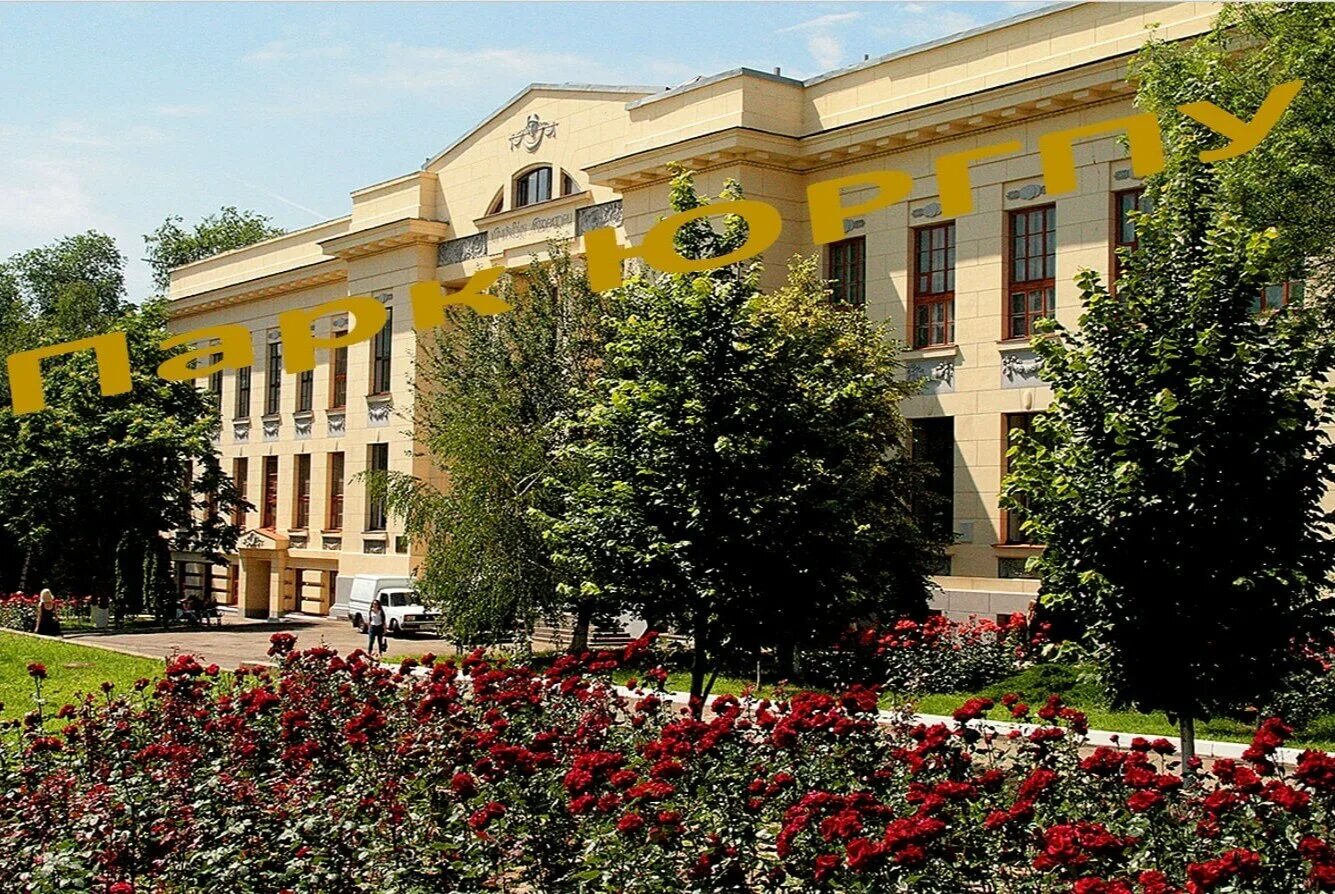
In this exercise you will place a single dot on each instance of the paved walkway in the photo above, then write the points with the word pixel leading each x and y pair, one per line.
pixel 244 641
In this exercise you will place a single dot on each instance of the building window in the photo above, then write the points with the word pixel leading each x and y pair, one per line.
pixel 934 446
pixel 1014 567
pixel 1277 295
pixel 242 410
pixel 338 375
pixel 301 506
pixel 273 379
pixel 1013 519
pixel 305 391
pixel 568 187
pixel 533 187
pixel 377 460
pixel 934 286
pixel 269 510
pixel 240 476
pixel 497 203
pixel 335 520
pixel 215 384
pixel 846 268
pixel 381 355
pixel 1124 228
pixel 1033 269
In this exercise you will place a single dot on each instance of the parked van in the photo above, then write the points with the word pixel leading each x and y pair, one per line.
pixel 398 599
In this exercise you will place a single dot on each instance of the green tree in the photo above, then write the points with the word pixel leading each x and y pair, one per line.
pixel 737 469
pixel 79 278
pixel 172 245
pixel 75 477
pixel 489 389
pixel 1177 477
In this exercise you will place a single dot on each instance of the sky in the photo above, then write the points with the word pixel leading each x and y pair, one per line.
pixel 114 116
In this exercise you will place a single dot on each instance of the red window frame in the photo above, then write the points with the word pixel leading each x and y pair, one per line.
pixel 269 512
pixel 1124 231
pixel 301 509
pixel 382 356
pixel 338 375
pixel 934 285
pixel 1278 295
pixel 335 492
pixel 240 472
pixel 846 268
pixel 1012 519
pixel 1031 252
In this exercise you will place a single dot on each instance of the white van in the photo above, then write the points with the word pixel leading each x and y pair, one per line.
pixel 398 599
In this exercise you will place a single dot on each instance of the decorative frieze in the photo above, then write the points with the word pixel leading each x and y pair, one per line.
pixel 930 210
pixel 373 547
pixel 302 424
pixel 271 426
pixel 379 409
pixel 1027 192
pixel 1021 370
pixel 596 217
pixel 934 376
pixel 465 248
pixel 332 543
pixel 337 424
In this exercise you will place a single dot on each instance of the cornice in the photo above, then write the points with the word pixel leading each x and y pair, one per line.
pixel 990 109
pixel 386 236
pixel 304 277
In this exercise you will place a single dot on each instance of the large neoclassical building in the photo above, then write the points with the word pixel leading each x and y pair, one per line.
pixel 561 159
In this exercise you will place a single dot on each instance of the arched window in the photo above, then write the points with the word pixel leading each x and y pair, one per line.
pixel 497 203
pixel 568 187
pixel 533 187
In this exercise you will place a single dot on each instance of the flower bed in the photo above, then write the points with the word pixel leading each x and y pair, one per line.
pixel 333 774
pixel 18 611
pixel 936 655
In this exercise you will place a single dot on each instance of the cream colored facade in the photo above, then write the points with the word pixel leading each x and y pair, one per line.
pixel 1056 68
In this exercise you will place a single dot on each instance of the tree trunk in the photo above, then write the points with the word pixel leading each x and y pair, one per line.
pixel 785 659
pixel 699 663
pixel 1186 725
pixel 579 637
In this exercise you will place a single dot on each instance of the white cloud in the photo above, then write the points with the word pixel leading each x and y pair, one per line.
pixel 291 50
pixel 822 22
pixel 44 197
pixel 826 49
pixel 181 111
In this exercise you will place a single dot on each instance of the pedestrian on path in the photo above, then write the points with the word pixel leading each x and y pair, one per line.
pixel 375 629
pixel 47 622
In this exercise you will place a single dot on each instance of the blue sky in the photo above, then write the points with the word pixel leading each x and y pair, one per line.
pixel 113 116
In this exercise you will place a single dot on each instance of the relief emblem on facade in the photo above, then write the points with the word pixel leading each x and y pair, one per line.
pixel 465 248
pixel 532 135
pixel 934 376
pixel 1021 370
pixel 595 217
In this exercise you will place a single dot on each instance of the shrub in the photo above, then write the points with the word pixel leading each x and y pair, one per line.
pixel 333 774
pixel 937 655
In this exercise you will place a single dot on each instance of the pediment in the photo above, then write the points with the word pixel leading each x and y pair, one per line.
pixel 262 539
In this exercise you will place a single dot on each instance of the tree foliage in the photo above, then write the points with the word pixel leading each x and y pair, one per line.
pixel 490 389
pixel 737 468
pixel 76 476
pixel 172 244
pixel 1177 478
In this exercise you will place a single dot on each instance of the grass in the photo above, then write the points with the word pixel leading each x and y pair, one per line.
pixel 70 669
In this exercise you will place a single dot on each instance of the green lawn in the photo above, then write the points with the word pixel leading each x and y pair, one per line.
pixel 70 669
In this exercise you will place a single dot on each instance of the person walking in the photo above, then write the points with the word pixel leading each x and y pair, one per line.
pixel 375 629
pixel 47 622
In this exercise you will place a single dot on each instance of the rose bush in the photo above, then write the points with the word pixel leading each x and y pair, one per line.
pixel 18 611
pixel 935 655
pixel 333 774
